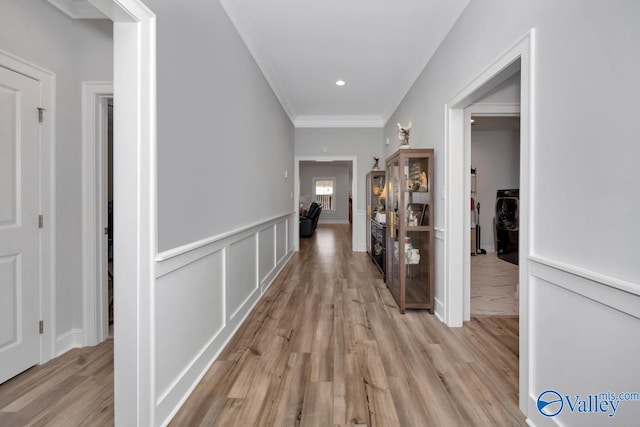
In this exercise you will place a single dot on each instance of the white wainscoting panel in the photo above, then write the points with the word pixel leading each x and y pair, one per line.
pixel 204 291
pixel 584 340
pixel 242 281
pixel 292 222
pixel 189 310
pixel 266 252
pixel 281 239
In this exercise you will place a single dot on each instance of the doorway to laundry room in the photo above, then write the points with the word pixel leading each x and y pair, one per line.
pixel 494 184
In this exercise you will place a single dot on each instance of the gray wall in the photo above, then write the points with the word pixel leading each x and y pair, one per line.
pixel 582 262
pixel 361 143
pixel 75 51
pixel 224 141
pixel 574 118
pixel 225 151
pixel 341 173
pixel 496 156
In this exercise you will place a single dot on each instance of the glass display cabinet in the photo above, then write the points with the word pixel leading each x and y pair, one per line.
pixel 376 219
pixel 409 198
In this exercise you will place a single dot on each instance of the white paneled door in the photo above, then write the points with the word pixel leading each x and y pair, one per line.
pixel 19 224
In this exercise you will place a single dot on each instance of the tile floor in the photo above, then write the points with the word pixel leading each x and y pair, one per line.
pixel 494 285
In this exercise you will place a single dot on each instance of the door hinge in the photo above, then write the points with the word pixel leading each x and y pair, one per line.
pixel 40 221
pixel 41 114
pixel 41 326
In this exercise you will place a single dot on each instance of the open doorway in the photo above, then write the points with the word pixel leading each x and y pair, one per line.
pixel 109 202
pixel 341 171
pixel 97 193
pixel 495 183
pixel 519 58
pixel 329 185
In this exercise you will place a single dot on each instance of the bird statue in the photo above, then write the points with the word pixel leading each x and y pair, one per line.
pixel 403 133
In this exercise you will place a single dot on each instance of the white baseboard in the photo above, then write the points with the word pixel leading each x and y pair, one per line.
pixel 73 338
pixel 439 309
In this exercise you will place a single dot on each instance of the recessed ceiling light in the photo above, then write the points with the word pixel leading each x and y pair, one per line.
pixel 341 83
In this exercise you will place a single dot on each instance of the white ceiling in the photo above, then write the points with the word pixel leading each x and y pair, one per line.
pixel 379 47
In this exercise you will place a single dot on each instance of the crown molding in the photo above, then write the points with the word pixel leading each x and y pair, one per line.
pixel 78 9
pixel 251 40
pixel 431 46
pixel 338 122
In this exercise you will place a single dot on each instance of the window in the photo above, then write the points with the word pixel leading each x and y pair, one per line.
pixel 324 192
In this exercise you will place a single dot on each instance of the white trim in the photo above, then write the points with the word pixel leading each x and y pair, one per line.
pixel 602 279
pixel 135 219
pixel 171 253
pixel 47 183
pixel 78 9
pixel 355 244
pixel 95 96
pixel 456 206
pixel 71 339
pixel 338 122
pixel 439 309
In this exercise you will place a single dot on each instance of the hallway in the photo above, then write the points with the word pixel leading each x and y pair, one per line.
pixel 328 346
pixel 325 346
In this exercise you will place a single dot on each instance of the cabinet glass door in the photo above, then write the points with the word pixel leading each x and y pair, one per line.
pixel 378 195
pixel 393 248
pixel 416 192
pixel 416 239
pixel 416 271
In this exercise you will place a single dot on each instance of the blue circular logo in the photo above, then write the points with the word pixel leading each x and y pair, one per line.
pixel 550 403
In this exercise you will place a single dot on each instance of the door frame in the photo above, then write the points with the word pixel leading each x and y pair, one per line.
pixel 95 97
pixel 456 182
pixel 135 219
pixel 47 282
pixel 355 236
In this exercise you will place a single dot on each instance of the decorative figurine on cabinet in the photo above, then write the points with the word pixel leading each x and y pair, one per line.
pixel 403 134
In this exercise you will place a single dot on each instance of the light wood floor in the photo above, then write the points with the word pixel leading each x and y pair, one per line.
pixel 325 346
pixel 75 389
pixel 494 285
